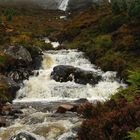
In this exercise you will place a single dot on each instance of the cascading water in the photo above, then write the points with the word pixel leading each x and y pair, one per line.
pixel 44 92
pixel 63 5
pixel 43 88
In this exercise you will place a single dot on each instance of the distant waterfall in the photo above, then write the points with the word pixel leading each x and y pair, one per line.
pixel 63 5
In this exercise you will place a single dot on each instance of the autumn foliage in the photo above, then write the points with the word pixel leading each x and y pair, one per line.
pixel 110 120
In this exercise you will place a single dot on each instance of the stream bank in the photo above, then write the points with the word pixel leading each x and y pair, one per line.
pixel 47 105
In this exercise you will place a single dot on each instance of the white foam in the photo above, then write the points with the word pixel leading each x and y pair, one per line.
pixel 43 88
pixel 54 44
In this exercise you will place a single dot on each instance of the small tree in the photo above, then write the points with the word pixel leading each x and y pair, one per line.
pixel 116 8
pixel 124 6
pixel 9 13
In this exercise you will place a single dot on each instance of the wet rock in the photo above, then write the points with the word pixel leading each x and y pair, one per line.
pixel 15 112
pixel 64 73
pixel 18 64
pixel 81 101
pixel 20 74
pixel 66 107
pixel 37 61
pixel 6 109
pixel 2 122
pixel 23 136
pixel 8 88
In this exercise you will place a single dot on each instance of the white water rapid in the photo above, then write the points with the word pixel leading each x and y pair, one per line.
pixel 43 88
pixel 40 121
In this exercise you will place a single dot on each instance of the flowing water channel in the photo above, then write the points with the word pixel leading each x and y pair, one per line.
pixel 40 96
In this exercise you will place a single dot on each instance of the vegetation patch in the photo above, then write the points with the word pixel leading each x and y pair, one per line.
pixel 110 120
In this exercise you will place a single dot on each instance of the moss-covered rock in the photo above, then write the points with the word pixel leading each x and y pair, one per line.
pixel 8 89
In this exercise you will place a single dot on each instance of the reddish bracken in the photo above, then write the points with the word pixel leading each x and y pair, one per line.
pixel 109 121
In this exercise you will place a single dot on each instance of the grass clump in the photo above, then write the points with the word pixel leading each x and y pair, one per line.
pixel 135 135
pixel 134 78
pixel 112 22
pixel 9 13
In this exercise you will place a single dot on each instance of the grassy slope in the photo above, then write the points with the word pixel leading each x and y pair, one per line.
pixel 108 40
pixel 26 28
pixel 112 42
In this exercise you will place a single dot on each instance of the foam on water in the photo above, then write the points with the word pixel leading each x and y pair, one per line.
pixel 41 126
pixel 43 88
pixel 54 44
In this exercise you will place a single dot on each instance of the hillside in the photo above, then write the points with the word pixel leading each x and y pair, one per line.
pixel 109 36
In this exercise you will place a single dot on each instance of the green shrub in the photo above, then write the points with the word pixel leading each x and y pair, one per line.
pixel 96 48
pixel 112 61
pixel 124 5
pixel 111 23
pixel 103 41
pixel 135 135
pixel 119 6
pixel 9 13
pixel 134 78
pixel 134 9
pixel 116 8
pixel 129 93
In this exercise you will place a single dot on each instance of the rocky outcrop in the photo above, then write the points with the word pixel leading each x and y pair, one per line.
pixel 19 53
pixel 8 88
pixel 64 73
pixel 17 62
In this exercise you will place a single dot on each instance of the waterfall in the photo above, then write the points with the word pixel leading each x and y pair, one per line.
pixel 43 88
pixel 63 5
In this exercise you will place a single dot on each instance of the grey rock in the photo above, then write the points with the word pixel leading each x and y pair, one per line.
pixel 23 135
pixel 64 73
pixel 9 87
pixel 81 101
pixel 19 53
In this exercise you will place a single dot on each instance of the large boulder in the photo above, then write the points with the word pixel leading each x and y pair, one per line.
pixel 64 73
pixel 19 53
pixel 16 63
pixel 8 89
